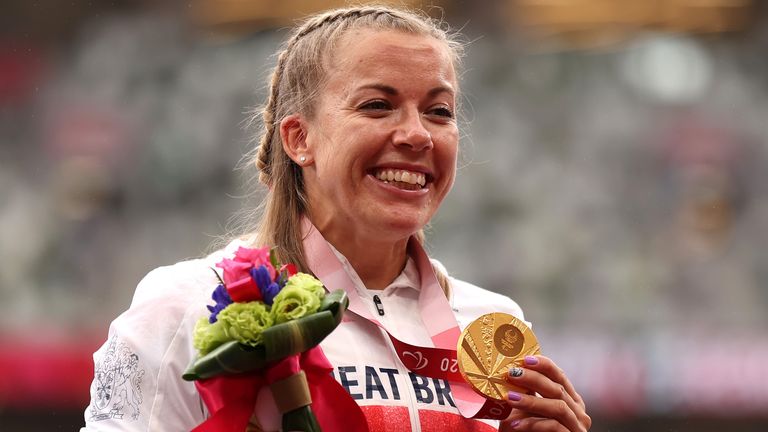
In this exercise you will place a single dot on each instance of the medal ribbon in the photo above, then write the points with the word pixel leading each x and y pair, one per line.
pixel 439 361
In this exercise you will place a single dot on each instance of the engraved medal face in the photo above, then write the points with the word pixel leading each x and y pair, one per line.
pixel 489 347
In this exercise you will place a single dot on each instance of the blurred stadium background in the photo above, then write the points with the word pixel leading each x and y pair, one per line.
pixel 614 181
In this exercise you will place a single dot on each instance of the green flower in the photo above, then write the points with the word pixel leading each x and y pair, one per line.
pixel 308 283
pixel 244 322
pixel 299 297
pixel 207 336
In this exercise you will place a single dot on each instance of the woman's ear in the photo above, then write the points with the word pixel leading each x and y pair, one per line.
pixel 293 134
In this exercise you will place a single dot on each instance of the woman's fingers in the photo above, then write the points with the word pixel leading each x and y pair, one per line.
pixel 556 401
pixel 538 383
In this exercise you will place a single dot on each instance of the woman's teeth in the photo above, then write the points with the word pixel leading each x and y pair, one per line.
pixel 402 176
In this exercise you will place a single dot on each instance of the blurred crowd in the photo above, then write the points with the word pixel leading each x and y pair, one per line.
pixel 616 192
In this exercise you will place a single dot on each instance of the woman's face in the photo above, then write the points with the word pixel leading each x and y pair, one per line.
pixel 383 140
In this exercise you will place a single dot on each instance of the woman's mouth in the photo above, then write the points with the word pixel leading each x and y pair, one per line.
pixel 402 179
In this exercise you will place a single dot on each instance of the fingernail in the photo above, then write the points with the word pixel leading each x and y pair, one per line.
pixel 514 396
pixel 514 424
pixel 531 360
pixel 516 372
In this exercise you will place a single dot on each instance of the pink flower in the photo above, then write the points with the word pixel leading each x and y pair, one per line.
pixel 238 277
pixel 257 257
pixel 234 270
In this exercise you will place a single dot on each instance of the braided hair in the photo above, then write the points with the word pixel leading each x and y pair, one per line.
pixel 298 76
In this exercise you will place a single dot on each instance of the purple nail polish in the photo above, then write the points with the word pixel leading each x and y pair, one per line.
pixel 531 360
pixel 514 424
pixel 514 396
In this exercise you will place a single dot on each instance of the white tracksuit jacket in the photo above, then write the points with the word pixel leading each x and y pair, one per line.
pixel 138 387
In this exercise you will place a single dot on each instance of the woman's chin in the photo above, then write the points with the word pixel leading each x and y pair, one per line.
pixel 396 224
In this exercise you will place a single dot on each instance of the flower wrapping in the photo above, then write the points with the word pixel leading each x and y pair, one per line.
pixel 264 329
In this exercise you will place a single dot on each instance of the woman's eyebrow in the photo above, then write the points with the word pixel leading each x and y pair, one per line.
pixel 441 89
pixel 393 91
pixel 381 87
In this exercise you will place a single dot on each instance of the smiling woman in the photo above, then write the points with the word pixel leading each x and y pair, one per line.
pixel 358 150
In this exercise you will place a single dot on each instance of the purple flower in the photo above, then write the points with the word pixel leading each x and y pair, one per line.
pixel 270 293
pixel 222 299
pixel 267 286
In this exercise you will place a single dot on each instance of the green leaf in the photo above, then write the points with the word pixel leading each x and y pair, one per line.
pixel 335 302
pixel 228 358
pixel 297 336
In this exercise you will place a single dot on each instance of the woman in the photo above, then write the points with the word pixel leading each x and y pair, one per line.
pixel 359 149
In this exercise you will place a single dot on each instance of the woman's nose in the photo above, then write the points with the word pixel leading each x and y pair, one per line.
pixel 412 133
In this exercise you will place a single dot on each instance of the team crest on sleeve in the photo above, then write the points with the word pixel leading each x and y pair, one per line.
pixel 116 388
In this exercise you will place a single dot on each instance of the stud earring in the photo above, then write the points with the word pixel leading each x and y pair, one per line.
pixel 302 159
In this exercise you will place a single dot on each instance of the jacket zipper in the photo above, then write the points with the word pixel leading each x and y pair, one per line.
pixel 379 306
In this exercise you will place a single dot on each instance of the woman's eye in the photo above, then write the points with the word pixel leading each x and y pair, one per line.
pixel 442 112
pixel 375 105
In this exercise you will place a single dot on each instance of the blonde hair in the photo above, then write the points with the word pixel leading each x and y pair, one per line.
pixel 299 74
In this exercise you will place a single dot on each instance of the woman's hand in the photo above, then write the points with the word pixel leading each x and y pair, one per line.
pixel 553 404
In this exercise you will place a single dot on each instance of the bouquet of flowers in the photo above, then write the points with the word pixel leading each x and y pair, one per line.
pixel 263 329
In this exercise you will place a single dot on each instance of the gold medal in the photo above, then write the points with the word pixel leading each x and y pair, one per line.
pixel 489 347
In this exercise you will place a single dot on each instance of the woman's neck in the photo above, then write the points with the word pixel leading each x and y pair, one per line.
pixel 377 262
